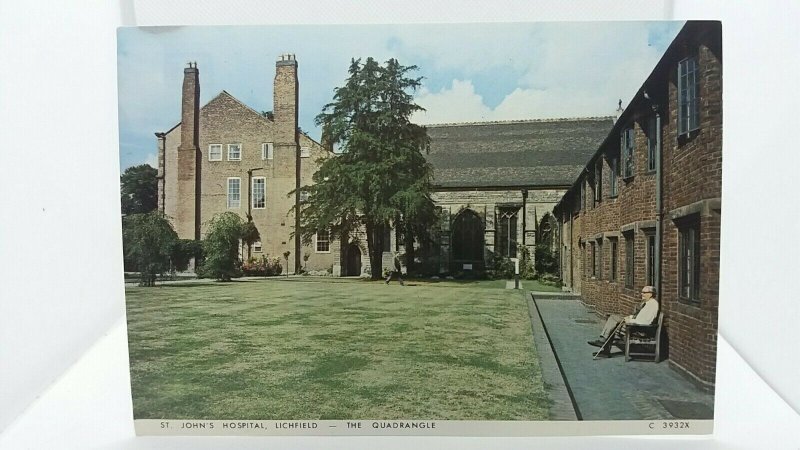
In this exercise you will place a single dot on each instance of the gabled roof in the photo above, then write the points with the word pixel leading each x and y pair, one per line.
pixel 534 153
pixel 227 94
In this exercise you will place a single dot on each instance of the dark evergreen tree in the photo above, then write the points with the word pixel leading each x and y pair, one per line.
pixel 380 177
pixel 139 189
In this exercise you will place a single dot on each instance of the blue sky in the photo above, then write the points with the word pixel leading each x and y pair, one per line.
pixel 472 72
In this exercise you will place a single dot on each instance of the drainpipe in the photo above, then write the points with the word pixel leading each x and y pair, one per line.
pixel 659 212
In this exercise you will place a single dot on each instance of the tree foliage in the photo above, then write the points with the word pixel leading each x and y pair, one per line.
pixel 250 235
pixel 381 176
pixel 221 247
pixel 148 240
pixel 139 189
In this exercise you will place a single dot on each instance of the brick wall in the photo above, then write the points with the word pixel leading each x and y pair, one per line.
pixel 693 174
pixel 691 189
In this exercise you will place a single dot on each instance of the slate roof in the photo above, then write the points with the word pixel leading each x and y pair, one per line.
pixel 534 153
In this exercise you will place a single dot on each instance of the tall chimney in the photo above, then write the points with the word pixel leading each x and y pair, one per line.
pixel 285 100
pixel 187 218
pixel 287 150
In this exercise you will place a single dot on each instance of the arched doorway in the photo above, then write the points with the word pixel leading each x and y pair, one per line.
pixel 467 241
pixel 353 260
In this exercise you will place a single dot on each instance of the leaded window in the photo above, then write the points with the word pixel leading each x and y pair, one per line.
pixel 598 181
pixel 506 241
pixel 612 177
pixel 651 259
pixel 652 144
pixel 629 260
pixel 627 148
pixel 688 96
pixel 614 255
pixel 689 260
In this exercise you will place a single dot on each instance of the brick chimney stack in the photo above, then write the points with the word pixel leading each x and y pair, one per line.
pixel 287 150
pixel 188 170
pixel 285 100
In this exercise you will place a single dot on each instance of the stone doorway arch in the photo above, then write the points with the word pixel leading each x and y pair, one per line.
pixel 467 241
pixel 353 263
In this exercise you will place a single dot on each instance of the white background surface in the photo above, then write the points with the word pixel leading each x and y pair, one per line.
pixel 60 246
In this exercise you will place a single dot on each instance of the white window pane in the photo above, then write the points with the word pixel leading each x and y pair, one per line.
pixel 234 152
pixel 234 193
pixel 259 192
pixel 215 152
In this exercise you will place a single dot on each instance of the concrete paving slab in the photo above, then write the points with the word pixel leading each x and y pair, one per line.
pixel 610 388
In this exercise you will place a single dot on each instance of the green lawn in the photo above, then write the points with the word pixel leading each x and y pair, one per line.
pixel 304 348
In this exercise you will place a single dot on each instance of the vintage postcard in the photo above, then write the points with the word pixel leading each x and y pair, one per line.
pixel 441 229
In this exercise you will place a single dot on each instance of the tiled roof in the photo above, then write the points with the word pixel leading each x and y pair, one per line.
pixel 549 152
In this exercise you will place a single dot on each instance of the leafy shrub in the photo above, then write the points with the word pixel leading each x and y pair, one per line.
pixel 183 251
pixel 501 268
pixel 526 269
pixel 221 247
pixel 264 266
pixel 546 260
pixel 147 241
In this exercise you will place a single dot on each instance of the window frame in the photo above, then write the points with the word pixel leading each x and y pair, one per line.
pixel 599 249
pixel 511 245
pixel 318 241
pixel 650 261
pixel 228 193
pixel 628 152
pixel 209 152
pixel 253 193
pixel 598 181
pixel 652 144
pixel 630 260
pixel 258 247
pixel 688 105
pixel 689 260
pixel 267 151
pixel 614 248
pixel 229 152
pixel 613 177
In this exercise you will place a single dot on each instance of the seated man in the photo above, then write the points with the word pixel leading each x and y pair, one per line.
pixel 645 314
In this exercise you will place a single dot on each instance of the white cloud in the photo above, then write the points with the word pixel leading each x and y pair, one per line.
pixel 460 103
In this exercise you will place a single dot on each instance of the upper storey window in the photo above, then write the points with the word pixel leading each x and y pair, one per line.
pixel 627 147
pixel 215 152
pixel 688 96
pixel 234 152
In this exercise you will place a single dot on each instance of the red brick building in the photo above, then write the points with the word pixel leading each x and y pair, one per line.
pixel 646 209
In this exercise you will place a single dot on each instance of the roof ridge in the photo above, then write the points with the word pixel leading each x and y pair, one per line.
pixel 513 121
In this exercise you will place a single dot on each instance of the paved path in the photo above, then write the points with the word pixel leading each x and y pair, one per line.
pixel 610 388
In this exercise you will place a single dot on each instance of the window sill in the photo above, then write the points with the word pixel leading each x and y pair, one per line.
pixel 688 136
